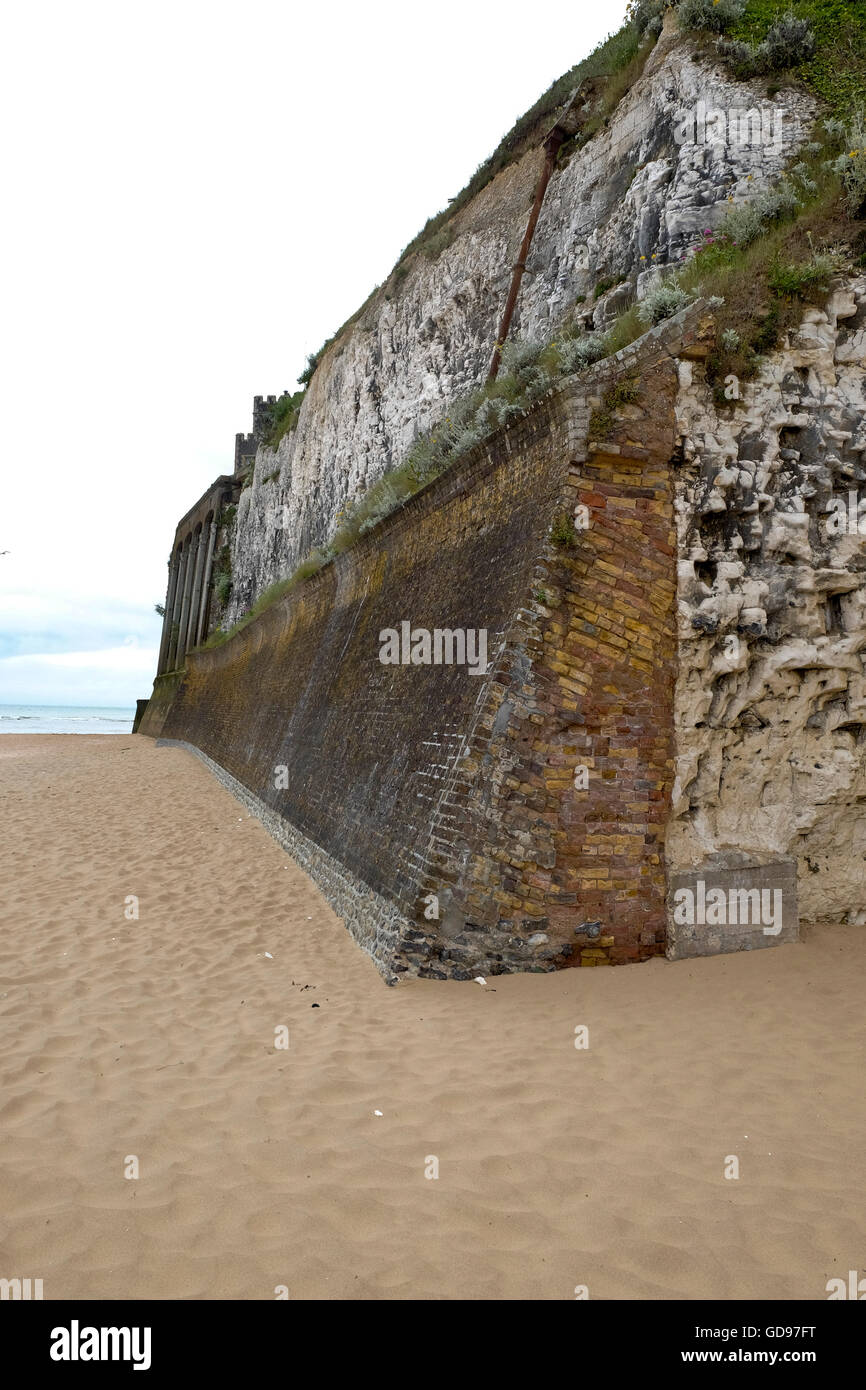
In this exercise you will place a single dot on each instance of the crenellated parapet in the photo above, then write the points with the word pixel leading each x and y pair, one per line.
pixel 189 596
pixel 246 445
pixel 245 453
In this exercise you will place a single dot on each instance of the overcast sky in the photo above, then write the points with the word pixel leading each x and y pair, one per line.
pixel 196 196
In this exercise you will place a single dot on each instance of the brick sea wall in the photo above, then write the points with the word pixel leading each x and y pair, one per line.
pixel 463 823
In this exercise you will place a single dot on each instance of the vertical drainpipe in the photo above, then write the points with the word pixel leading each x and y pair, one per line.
pixel 551 149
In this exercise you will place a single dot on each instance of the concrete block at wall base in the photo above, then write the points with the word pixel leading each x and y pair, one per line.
pixel 140 707
pixel 732 903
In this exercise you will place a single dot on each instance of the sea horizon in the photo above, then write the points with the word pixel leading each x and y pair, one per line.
pixel 66 719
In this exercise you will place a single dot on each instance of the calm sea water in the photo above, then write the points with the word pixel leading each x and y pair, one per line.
pixel 64 719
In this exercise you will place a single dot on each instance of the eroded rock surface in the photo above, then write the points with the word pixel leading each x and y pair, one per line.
pixel 770 709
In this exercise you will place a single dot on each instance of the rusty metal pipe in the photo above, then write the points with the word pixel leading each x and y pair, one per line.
pixel 551 147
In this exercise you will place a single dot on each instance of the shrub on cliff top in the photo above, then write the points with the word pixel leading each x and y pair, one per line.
pixel 790 42
pixel 662 302
pixel 313 359
pixel 851 163
pixel 647 15
pixel 715 15
pixel 434 245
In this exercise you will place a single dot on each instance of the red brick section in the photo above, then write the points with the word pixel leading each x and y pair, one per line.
pixel 609 672
pixel 586 679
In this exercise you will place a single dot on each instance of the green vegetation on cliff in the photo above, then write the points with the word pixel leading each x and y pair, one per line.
pixel 835 70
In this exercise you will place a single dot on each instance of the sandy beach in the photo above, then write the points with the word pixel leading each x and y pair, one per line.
pixel 262 1167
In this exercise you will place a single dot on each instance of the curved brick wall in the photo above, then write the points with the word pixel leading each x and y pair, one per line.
pixel 405 781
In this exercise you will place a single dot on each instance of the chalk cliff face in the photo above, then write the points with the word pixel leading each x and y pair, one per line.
pixel 770 706
pixel 626 203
